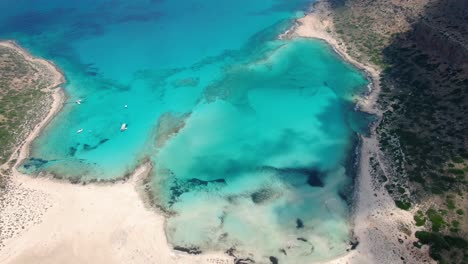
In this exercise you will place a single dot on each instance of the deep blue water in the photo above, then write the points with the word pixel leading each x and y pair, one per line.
pixel 248 135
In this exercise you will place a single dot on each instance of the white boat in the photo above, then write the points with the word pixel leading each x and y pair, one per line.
pixel 79 130
pixel 123 127
pixel 125 106
pixel 78 101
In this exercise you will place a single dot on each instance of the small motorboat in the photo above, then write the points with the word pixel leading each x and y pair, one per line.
pixel 123 127
pixel 125 106
pixel 79 130
pixel 78 101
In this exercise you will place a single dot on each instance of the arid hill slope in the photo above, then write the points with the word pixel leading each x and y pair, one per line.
pixel 422 49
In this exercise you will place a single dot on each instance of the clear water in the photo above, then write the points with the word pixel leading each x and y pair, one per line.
pixel 248 135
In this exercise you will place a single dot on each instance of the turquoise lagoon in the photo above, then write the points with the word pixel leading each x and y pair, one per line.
pixel 249 136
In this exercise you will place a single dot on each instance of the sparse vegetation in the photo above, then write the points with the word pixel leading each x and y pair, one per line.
pixel 424 97
pixel 22 99
pixel 442 245
pixel 436 219
pixel 420 219
pixel 405 205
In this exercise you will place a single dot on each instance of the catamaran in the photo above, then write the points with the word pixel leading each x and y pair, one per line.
pixel 123 127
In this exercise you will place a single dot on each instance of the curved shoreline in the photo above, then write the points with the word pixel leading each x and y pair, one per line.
pixel 374 216
pixel 58 100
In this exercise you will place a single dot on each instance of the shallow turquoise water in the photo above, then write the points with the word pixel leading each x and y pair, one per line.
pixel 249 136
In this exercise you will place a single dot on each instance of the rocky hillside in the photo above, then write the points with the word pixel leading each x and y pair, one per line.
pixel 422 49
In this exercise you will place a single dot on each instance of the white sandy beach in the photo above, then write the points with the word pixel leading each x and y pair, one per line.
pixel 58 222
pixel 88 224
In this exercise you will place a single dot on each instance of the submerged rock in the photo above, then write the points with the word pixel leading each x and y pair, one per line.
pixel 231 251
pixel 314 178
pixel 190 250
pixel 35 163
pixel 261 196
pixel 169 124
pixel 353 244
pixel 72 151
pixel 187 82
pixel 299 223
pixel 244 261
pixel 87 147
pixel 198 182
pixel 273 260
pixel 180 187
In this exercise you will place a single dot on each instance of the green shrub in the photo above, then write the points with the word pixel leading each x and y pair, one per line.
pixel 437 221
pixel 405 205
pixel 460 212
pixel 419 219
pixel 456 171
pixel 439 242
pixel 450 204
pixel 401 190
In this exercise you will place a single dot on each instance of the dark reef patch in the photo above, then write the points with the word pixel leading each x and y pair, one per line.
pixel 222 217
pixel 230 252
pixel 261 196
pixel 314 177
pixel 195 181
pixel 87 147
pixel 189 250
pixel 353 244
pixel 273 260
pixel 243 261
pixel 180 187
pixel 72 150
pixel 342 195
pixel 299 223
pixel 35 163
